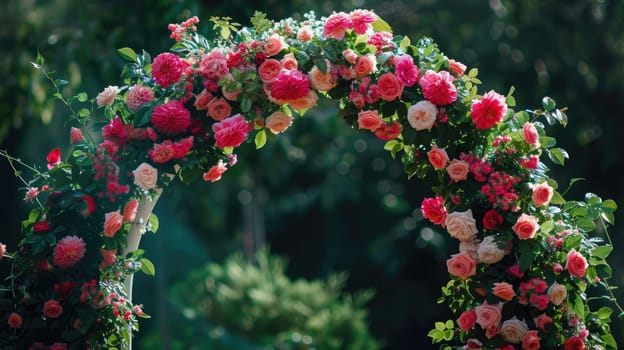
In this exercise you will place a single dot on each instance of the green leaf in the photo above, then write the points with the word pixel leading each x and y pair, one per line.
pixel 472 73
pixel 245 104
pixel 147 267
pixel 609 204
pixel 558 155
pixel 586 224
pixel 557 199
pixel 82 97
pixel 153 223
pixel 548 226
pixel 381 26
pixel 548 104
pixel 440 326
pixel 321 64
pixel 127 54
pixel 602 252
pixel 579 307
pixel 526 260
pixel 405 42
pixel 260 139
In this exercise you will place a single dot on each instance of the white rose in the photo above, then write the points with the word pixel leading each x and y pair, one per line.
pixel 422 115
pixel 489 251
pixel 145 176
pixel 461 225
pixel 107 96
pixel 470 248
pixel 513 330
pixel 557 293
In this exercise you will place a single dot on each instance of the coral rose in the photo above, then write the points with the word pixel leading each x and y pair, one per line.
pixel 322 81
pixel 422 115
pixel 388 131
pixel 504 291
pixel 58 346
pixel 542 194
pixel 461 225
pixel 107 96
pixel 542 320
pixel 278 122
pixel 275 44
pixel 458 170
pixel 365 65
pixel 526 226
pixel 269 70
pixel 214 173
pixel 456 67
pixel 576 264
pixel 389 87
pixel 230 132
pixel 434 210
pixel 52 309
pixel 369 120
pixel 350 56
pixel 531 341
pixel 68 251
pixel 15 320
pixel 130 210
pixel 461 265
pixel 489 110
pixel 219 109
pixel 145 176
pixel 438 157
pixel 489 252
pixel 202 100
pixel 513 330
pixel 488 316
pixel 438 87
pixel 467 320
pixel 112 223
pixel 171 118
pixel 530 134
pixel 289 61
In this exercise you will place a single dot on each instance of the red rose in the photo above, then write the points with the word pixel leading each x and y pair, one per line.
pixel 54 158
pixel 41 226
pixel 492 219
pixel 574 343
pixel 467 320
pixel 576 264
pixel 52 309
pixel 15 320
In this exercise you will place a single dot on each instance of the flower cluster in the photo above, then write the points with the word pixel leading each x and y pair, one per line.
pixel 525 259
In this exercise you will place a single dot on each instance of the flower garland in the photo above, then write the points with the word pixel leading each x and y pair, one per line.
pixel 525 261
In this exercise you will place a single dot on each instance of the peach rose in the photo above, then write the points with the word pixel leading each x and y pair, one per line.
pixel 488 316
pixel 350 56
pixel 557 293
pixel 369 120
pixel 365 65
pixel 422 115
pixel 461 265
pixel 504 291
pixel 461 225
pixel 305 33
pixel 145 176
pixel 202 100
pixel 389 87
pixel 305 102
pixel 278 122
pixel 576 264
pixel 230 95
pixel 457 68
pixel 269 70
pixel 107 96
pixel 438 157
pixel 542 320
pixel 467 320
pixel 530 134
pixel 274 45
pixel 320 81
pixel 513 330
pixel 214 173
pixel 130 210
pixel 489 251
pixel 542 194
pixel 289 62
pixel 526 226
pixel 112 223
pixel 219 109
pixel 458 170
pixel 531 341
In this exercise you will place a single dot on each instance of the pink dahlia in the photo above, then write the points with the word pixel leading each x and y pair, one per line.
pixel 68 251
pixel 290 85
pixel 438 87
pixel 361 20
pixel 405 70
pixel 167 69
pixel 230 132
pixel 336 25
pixel 489 110
pixel 138 96
pixel 171 118
pixel 214 65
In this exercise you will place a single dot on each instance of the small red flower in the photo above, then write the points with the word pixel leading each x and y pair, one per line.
pixel 41 226
pixel 54 158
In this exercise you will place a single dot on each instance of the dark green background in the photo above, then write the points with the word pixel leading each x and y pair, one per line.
pixel 327 197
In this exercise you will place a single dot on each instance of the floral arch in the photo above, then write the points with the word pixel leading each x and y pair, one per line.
pixel 526 256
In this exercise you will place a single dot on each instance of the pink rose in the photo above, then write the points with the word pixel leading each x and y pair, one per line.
pixel 369 120
pixel 576 264
pixel 336 25
pixel 145 176
pixel 461 265
pixel 504 291
pixel 542 194
pixel 457 68
pixel 2 250
pixel 214 173
pixel 214 65
pixel 389 87
pixel 438 87
pixel 467 320
pixel 350 56
pixel 557 293
pixel 542 320
pixel 405 70
pixel 290 85
pixel 489 110
pixel 75 136
pixel 434 210
pixel 458 170
pixel 112 223
pixel 289 61
pixel 278 122
pixel 130 210
pixel 269 70
pixel 526 226
pixel 107 96
pixel 513 330
pixel 219 109
pixel 422 115
pixel 530 135
pixel 274 45
pixel 361 20
pixel 461 225
pixel 489 251
pixel 438 157
pixel 365 65
pixel 230 132
pixel 15 320
pixel 531 341
pixel 52 309
pixel 320 81
pixel 488 316
pixel 202 100
pixel 31 194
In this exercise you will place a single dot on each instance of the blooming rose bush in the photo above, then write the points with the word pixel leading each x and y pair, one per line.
pixel 526 259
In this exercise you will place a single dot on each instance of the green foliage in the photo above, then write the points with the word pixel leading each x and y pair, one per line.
pixel 258 302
